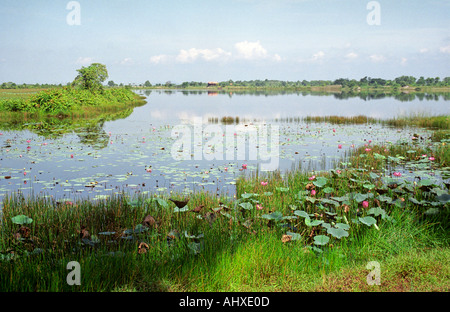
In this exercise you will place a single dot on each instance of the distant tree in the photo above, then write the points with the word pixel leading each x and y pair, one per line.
pixel 91 77
pixel 147 84
pixel 111 83
pixel 420 81
pixel 429 81
pixel 405 80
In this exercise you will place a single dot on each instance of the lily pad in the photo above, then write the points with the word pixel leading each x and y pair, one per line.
pixel 301 213
pixel 246 206
pixel 294 236
pixel 276 216
pixel 342 226
pixel 320 181
pixel 337 232
pixel 368 220
pixel 328 190
pixel 308 222
pixel 444 198
pixel 321 240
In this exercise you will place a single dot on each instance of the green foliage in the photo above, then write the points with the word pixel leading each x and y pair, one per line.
pixel 66 99
pixel 91 77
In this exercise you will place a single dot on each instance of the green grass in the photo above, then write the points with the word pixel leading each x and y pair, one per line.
pixel 243 248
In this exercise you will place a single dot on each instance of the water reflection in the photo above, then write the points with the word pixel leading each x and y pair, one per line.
pixel 268 105
pixel 404 96
pixel 63 157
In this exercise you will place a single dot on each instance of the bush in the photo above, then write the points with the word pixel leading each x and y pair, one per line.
pixel 59 100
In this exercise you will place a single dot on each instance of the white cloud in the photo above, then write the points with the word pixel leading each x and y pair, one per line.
pixel 127 61
pixel 250 50
pixel 351 56
pixel 215 54
pixel 84 61
pixel 157 59
pixel 189 56
pixel 318 56
pixel 244 50
pixel 423 50
pixel 445 49
pixel 377 58
pixel 403 61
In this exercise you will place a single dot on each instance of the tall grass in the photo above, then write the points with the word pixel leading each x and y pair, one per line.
pixel 412 120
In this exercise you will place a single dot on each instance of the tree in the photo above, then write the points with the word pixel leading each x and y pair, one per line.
pixel 91 77
pixel 147 84
pixel 111 83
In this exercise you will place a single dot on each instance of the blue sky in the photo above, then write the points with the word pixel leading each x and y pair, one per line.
pixel 196 40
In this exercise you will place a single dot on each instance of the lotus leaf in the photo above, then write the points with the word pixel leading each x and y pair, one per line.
pixel 321 240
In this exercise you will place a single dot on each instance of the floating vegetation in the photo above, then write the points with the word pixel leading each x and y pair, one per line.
pixel 110 196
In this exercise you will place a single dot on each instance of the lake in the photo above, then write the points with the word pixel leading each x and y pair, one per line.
pixel 178 142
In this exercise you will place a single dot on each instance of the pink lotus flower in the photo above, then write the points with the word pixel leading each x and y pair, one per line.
pixel 313 192
pixel 259 207
pixel 312 178
pixel 353 145
pixel 244 166
pixel 365 204
pixel 24 173
pixel 71 155
pixel 397 174
pixel 338 171
pixel 334 130
pixel 370 141
pixel 431 158
pixel 28 141
pixel 367 149
pixel 148 169
pixel 226 168
pixel 340 146
pixel 263 183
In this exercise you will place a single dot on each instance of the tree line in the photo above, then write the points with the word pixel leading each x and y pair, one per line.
pixel 401 81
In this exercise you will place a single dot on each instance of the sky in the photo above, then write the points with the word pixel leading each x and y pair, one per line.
pixel 196 40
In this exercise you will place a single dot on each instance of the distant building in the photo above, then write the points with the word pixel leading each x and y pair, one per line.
pixel 213 83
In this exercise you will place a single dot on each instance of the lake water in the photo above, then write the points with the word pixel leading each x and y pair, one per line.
pixel 176 142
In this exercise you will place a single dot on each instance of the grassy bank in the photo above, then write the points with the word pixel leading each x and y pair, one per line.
pixel 68 101
pixel 294 231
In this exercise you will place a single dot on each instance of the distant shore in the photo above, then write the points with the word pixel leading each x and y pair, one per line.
pixel 328 88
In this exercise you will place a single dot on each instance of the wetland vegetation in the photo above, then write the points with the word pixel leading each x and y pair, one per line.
pixel 99 187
